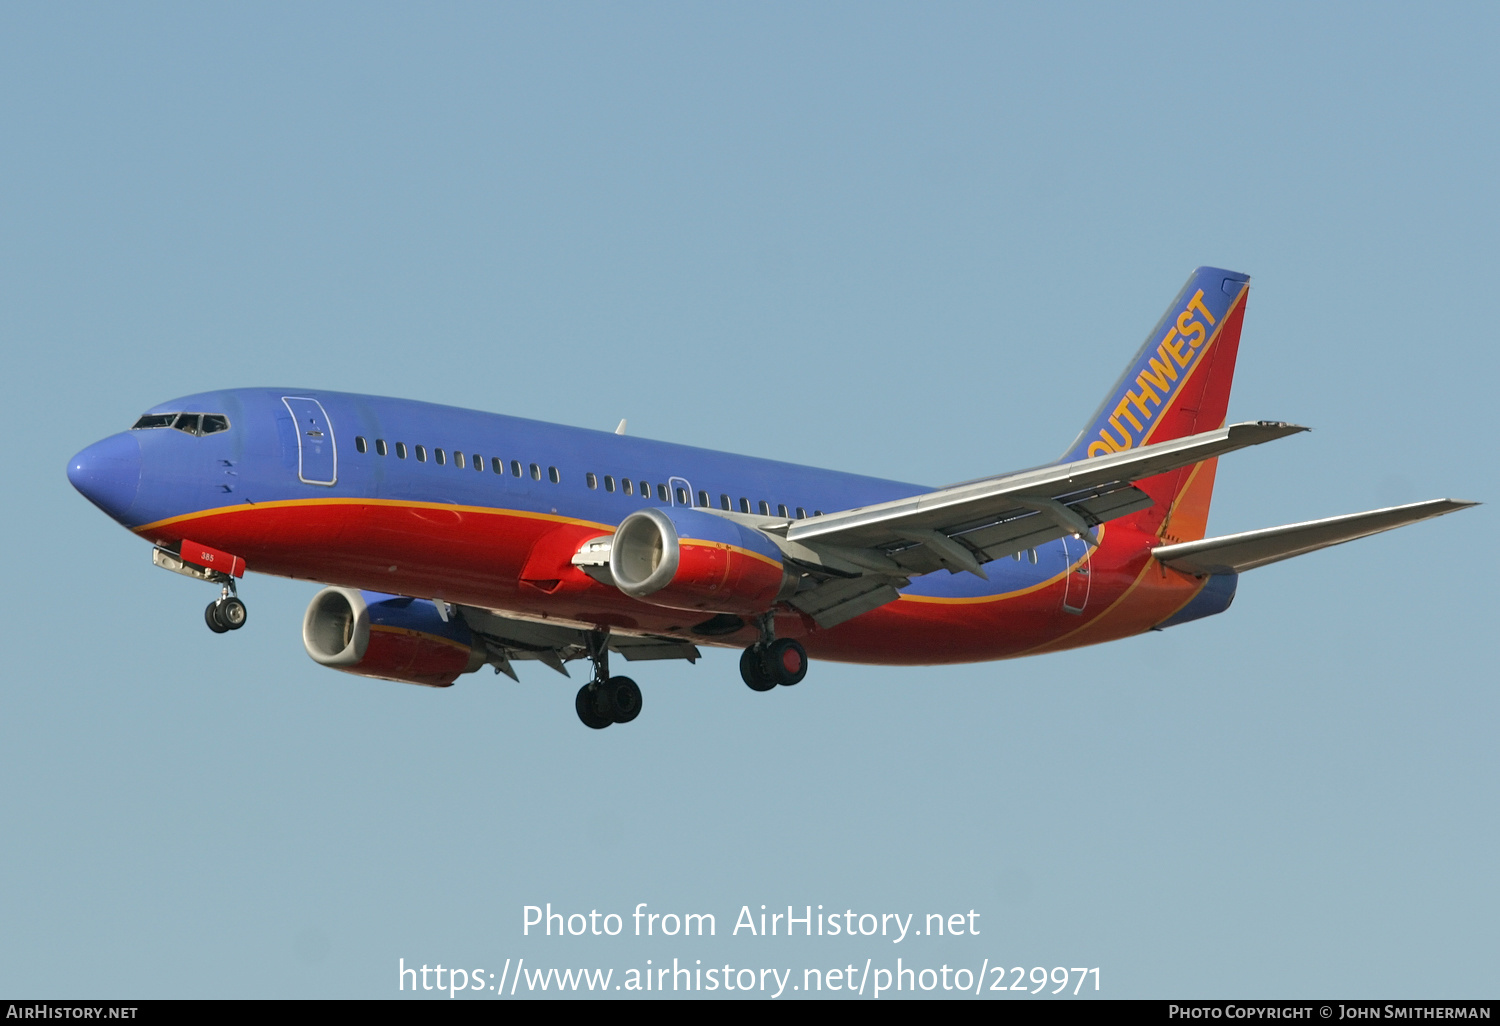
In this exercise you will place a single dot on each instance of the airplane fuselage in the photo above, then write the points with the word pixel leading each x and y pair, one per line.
pixel 487 510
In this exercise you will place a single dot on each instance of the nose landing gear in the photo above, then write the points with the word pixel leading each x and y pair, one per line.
pixel 605 699
pixel 226 613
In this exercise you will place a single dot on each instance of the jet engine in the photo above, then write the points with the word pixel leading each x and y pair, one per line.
pixel 687 559
pixel 392 637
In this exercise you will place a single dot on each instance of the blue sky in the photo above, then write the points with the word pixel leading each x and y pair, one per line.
pixel 912 241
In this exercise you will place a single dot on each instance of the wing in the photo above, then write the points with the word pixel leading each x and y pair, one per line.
pixel 861 557
pixel 508 638
pixel 1236 553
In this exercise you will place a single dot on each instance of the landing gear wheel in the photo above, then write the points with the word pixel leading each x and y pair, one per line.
pixel 225 614
pixel 590 698
pixel 787 662
pixel 624 698
pixel 231 612
pixel 753 669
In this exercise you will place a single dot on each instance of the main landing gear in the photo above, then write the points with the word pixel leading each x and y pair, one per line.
pixel 227 612
pixel 605 699
pixel 770 662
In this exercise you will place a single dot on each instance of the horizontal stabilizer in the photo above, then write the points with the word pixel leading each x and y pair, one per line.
pixel 1236 553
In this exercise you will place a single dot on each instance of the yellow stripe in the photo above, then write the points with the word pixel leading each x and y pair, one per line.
pixel 395 503
pixel 413 504
pixel 556 518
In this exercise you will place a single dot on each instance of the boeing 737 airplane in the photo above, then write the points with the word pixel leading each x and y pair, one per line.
pixel 451 539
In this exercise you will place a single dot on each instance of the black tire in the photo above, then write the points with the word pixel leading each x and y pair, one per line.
pixel 211 617
pixel 231 612
pixel 624 698
pixel 753 670
pixel 587 706
pixel 786 662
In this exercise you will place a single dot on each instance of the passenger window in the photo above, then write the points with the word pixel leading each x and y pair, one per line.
pixel 661 493
pixel 801 513
pixel 682 497
pixel 458 460
pixel 553 475
pixel 380 446
pixel 723 501
pixel 1016 556
pixel 593 482
pixel 765 508
pixel 744 504
pixel 479 463
pixel 515 468
pixel 400 450
pixel 817 512
pixel 187 422
pixel 1031 555
pixel 536 472
pixel 781 511
pixel 421 454
pixel 645 489
pixel 359 443
pixel 626 486
pixel 497 465
pixel 213 422
pixel 609 483
pixel 703 498
pixel 439 457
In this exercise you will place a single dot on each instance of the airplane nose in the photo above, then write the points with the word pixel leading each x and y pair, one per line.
pixel 108 473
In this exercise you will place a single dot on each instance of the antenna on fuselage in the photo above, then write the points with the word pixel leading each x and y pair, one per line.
pixel 621 429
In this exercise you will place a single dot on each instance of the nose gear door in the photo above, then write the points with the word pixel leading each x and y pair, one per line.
pixel 317 458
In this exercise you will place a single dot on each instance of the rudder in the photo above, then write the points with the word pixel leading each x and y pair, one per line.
pixel 1178 384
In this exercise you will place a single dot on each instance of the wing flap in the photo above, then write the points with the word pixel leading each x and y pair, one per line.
pixel 1236 553
pixel 509 638
pixel 636 647
pixel 833 602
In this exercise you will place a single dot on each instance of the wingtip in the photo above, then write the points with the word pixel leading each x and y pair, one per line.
pixel 1267 429
pixel 1440 507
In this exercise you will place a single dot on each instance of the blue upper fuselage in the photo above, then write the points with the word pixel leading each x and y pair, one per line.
pixel 397 449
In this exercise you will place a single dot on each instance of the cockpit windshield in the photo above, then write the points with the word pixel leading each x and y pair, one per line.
pixel 196 424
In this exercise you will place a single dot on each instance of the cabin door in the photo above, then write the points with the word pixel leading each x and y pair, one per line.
pixel 1077 581
pixel 317 459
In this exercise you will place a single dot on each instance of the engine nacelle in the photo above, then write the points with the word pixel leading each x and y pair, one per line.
pixel 392 637
pixel 687 559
